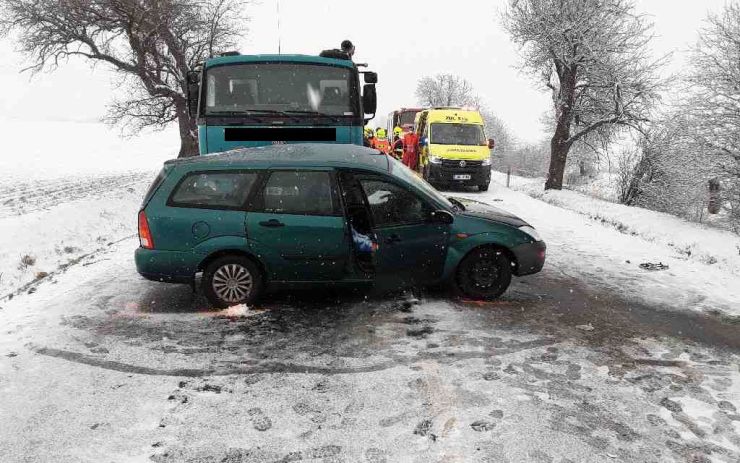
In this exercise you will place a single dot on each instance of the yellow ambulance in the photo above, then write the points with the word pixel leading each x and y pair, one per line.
pixel 453 147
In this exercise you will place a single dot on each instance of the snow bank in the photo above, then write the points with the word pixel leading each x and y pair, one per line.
pixel 689 240
pixel 602 244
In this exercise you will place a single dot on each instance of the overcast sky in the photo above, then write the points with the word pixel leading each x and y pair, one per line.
pixel 402 41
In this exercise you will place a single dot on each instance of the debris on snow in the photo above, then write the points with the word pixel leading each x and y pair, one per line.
pixel 653 266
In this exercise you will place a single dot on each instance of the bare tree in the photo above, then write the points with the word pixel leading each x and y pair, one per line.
pixel 497 129
pixel 714 105
pixel 452 90
pixel 593 56
pixel 151 44
pixel 445 90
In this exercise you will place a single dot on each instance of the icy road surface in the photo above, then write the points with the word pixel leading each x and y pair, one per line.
pixel 104 366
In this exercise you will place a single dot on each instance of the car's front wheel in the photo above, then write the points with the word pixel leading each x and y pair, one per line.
pixel 485 273
pixel 231 280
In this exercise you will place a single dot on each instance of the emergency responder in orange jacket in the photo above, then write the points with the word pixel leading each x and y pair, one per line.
pixel 380 141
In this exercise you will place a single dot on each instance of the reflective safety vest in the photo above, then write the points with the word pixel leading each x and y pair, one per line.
pixel 381 144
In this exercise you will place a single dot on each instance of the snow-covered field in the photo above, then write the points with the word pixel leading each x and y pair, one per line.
pixel 72 192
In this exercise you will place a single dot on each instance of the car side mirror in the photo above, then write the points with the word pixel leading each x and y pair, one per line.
pixel 441 217
pixel 369 99
pixel 193 81
pixel 491 143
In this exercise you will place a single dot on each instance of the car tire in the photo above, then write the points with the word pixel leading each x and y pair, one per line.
pixel 483 187
pixel 231 280
pixel 485 273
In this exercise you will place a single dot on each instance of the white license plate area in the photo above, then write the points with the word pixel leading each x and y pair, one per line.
pixel 461 177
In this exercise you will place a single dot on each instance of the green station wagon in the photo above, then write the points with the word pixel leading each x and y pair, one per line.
pixel 317 214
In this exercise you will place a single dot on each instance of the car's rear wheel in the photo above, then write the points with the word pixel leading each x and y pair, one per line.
pixel 483 187
pixel 232 280
pixel 485 273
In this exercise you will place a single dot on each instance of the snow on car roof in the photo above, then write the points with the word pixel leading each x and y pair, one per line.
pixel 300 154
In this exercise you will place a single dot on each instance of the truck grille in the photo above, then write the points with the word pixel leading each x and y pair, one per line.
pixel 450 163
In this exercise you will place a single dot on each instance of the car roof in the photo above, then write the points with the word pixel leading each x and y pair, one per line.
pixel 294 155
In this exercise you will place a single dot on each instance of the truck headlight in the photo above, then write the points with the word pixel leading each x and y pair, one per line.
pixel 435 160
pixel 531 232
pixel 486 162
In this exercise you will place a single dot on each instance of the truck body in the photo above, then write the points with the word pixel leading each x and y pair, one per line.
pixel 403 118
pixel 256 100
pixel 453 147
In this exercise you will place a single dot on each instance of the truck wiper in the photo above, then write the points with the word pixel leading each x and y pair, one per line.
pixel 314 113
pixel 252 112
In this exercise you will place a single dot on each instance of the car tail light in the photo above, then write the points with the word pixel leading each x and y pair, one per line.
pixel 145 235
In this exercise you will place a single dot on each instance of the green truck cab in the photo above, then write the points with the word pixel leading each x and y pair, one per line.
pixel 255 100
pixel 318 214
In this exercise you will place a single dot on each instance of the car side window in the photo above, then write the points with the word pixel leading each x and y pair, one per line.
pixel 391 204
pixel 216 190
pixel 299 192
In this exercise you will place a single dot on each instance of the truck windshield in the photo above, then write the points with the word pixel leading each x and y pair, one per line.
pixel 284 87
pixel 457 134
pixel 406 118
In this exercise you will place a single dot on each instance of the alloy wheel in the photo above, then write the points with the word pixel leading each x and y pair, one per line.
pixel 232 283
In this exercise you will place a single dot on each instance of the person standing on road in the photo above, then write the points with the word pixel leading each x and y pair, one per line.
pixel 411 150
pixel 381 141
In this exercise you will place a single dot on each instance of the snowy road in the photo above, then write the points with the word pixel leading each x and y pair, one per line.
pixel 104 366
pixel 588 361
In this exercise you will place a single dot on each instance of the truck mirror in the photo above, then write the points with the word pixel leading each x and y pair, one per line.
pixel 491 143
pixel 193 80
pixel 369 99
pixel 424 141
pixel 370 77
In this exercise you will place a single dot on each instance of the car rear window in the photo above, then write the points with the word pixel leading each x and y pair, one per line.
pixel 214 190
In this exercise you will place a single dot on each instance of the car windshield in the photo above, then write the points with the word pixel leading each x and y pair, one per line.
pixel 400 170
pixel 284 87
pixel 457 134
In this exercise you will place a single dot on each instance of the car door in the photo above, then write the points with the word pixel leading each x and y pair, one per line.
pixel 411 249
pixel 297 228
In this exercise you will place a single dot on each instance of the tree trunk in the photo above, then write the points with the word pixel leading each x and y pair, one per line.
pixel 558 156
pixel 559 145
pixel 714 198
pixel 188 131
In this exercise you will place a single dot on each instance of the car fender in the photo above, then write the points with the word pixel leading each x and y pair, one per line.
pixel 460 246
pixel 221 244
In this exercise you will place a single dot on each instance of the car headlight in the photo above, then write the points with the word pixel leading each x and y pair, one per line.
pixel 531 232
pixel 435 159
pixel 486 162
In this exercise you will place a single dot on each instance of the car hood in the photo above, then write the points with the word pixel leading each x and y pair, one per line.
pixel 486 211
